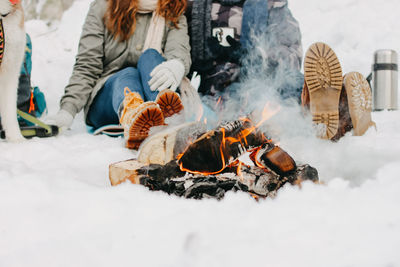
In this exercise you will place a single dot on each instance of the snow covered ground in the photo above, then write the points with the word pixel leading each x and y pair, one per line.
pixel 57 207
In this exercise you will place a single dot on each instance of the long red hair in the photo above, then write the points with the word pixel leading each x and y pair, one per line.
pixel 120 17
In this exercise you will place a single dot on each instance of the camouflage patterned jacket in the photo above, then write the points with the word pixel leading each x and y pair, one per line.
pixel 282 35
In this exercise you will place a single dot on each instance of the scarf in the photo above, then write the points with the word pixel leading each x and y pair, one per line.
pixel 155 32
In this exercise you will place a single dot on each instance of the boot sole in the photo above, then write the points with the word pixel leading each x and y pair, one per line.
pixel 169 102
pixel 359 97
pixel 148 115
pixel 323 77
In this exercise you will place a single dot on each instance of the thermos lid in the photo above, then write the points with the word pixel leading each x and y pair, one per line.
pixel 385 56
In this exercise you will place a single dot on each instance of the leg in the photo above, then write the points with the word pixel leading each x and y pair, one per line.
pixel 168 100
pixel 323 77
pixel 104 109
pixel 147 62
pixel 292 86
pixel 8 109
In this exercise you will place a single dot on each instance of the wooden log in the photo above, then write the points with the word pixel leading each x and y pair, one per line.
pixel 135 171
pixel 274 158
pixel 121 171
pixel 166 145
pixel 216 149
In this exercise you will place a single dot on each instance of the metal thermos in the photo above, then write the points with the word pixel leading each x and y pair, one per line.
pixel 385 80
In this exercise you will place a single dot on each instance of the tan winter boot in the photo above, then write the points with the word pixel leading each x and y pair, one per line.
pixel 323 78
pixel 360 102
pixel 169 102
pixel 345 124
pixel 138 117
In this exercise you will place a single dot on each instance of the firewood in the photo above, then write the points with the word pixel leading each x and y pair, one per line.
pixel 170 179
pixel 273 157
pixel 216 149
pixel 135 171
pixel 166 145
pixel 121 171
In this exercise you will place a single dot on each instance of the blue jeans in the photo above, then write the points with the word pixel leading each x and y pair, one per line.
pixel 255 21
pixel 104 109
pixel 291 88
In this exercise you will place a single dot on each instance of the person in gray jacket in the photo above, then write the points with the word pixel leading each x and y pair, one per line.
pixel 132 56
pixel 232 39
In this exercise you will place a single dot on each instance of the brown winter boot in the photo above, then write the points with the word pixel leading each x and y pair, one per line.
pixel 305 98
pixel 323 78
pixel 169 102
pixel 138 117
pixel 345 124
pixel 359 102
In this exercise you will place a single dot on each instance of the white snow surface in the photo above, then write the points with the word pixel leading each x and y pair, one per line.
pixel 57 207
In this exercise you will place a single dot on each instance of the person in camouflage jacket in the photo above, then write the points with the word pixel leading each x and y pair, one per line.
pixel 265 23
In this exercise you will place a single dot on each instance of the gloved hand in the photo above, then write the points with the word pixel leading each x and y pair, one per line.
pixel 63 119
pixel 232 53
pixel 168 74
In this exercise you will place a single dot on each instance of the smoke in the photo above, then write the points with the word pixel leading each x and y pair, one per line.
pixel 268 76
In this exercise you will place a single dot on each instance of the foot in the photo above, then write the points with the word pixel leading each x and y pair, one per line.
pixel 345 124
pixel 169 102
pixel 137 117
pixel 323 78
pixel 137 129
pixel 359 102
pixel 131 101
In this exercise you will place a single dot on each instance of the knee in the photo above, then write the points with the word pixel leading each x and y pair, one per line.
pixel 149 55
pixel 151 52
pixel 127 71
pixel 122 77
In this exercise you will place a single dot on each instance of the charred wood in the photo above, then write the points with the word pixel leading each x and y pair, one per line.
pixel 260 182
pixel 216 149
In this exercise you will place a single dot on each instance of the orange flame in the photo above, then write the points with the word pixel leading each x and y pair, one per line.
pixel 239 171
pixel 268 111
pixel 208 173
pixel 200 113
pixel 253 157
pixel 256 197
pixel 218 102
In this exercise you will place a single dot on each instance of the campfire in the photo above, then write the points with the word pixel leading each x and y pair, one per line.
pixel 208 164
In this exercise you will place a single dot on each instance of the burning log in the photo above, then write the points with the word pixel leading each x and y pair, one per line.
pixel 166 145
pixel 135 171
pixel 209 166
pixel 216 149
pixel 274 158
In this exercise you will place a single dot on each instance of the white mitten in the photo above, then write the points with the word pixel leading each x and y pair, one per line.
pixel 63 119
pixel 195 80
pixel 168 74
